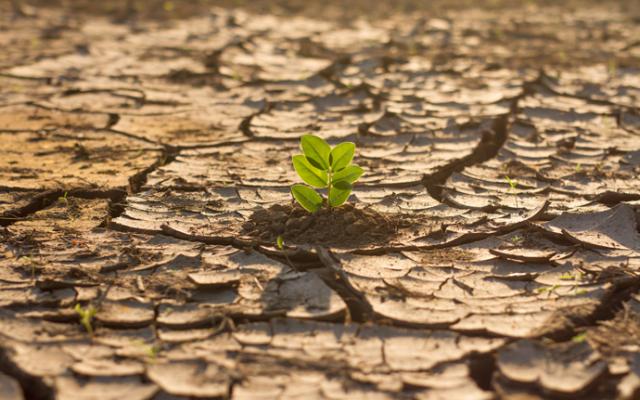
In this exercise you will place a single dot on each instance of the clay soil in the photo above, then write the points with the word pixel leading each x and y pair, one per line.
pixel 491 250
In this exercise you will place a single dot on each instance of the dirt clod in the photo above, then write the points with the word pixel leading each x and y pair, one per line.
pixel 346 225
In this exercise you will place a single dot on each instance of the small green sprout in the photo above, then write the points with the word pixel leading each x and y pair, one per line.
pixel 567 276
pixel 64 198
pixel 280 242
pixel 513 185
pixel 517 240
pixel 579 338
pixel 578 168
pixel 153 351
pixel 323 167
pixel 86 316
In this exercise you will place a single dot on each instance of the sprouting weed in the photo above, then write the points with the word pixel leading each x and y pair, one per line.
pixel 513 185
pixel 324 167
pixel 86 316
pixel 578 168
pixel 280 242
pixel 153 351
pixel 517 240
pixel 64 199
pixel 580 337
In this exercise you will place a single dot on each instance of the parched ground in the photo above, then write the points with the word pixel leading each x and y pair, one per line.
pixel 490 251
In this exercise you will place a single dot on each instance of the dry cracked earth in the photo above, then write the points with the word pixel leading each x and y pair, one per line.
pixel 490 251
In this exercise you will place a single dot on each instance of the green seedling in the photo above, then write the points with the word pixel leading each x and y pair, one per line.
pixel 64 198
pixel 517 240
pixel 86 316
pixel 513 186
pixel 153 351
pixel 280 242
pixel 579 338
pixel 324 167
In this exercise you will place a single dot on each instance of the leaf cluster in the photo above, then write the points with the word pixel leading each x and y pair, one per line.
pixel 321 166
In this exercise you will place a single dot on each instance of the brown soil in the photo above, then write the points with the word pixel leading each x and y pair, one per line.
pixel 343 226
pixel 138 139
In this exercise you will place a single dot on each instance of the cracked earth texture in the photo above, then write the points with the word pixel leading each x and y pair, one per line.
pixel 144 173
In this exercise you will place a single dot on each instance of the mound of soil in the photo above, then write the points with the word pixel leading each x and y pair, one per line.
pixel 346 225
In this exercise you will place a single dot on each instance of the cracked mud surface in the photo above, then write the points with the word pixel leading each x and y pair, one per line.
pixel 145 172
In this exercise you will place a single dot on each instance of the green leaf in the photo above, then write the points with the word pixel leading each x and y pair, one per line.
pixel 349 174
pixel 341 155
pixel 308 198
pixel 311 175
pixel 343 185
pixel 316 150
pixel 339 196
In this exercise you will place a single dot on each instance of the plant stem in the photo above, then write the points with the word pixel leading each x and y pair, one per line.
pixel 329 189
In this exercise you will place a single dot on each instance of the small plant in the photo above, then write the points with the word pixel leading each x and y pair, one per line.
pixel 280 242
pixel 579 338
pixel 323 167
pixel 513 186
pixel 86 316
pixel 64 199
